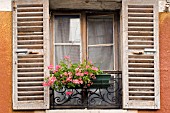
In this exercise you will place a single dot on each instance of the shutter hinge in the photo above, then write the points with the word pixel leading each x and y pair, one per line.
pixel 14 5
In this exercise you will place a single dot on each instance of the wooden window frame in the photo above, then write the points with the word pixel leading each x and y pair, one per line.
pixel 84 37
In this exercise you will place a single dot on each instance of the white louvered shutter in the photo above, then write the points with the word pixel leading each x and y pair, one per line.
pixel 140 54
pixel 30 34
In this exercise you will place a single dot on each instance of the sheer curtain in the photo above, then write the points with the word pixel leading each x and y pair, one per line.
pixel 100 42
pixel 67 38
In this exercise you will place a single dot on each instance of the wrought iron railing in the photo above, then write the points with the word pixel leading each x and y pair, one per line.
pixel 92 98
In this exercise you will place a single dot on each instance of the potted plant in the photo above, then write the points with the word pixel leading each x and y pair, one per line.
pixel 69 75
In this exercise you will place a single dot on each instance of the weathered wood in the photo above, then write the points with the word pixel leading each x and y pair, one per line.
pixel 140 72
pixel 116 41
pixel 85 4
pixel 84 36
pixel 30 21
pixel 100 45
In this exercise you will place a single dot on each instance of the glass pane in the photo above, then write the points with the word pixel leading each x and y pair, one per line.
pixel 102 57
pixel 67 29
pixel 73 51
pixel 100 30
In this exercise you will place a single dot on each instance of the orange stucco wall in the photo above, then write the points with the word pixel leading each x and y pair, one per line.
pixel 5 61
pixel 164 42
pixel 6 64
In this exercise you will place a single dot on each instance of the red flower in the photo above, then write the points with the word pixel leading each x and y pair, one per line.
pixel 69 92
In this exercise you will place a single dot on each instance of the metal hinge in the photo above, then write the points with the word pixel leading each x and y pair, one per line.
pixel 14 5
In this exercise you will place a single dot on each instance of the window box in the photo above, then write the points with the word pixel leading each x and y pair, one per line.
pixel 102 80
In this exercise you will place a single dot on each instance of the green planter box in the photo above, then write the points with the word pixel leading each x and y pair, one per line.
pixel 102 81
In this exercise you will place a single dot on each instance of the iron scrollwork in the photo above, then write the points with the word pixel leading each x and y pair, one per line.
pixel 99 97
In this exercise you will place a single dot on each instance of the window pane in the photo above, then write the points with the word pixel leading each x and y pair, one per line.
pixel 67 37
pixel 67 29
pixel 102 57
pixel 100 30
pixel 73 51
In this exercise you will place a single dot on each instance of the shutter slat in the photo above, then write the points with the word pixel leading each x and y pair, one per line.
pixel 24 36
pixel 31 24
pixel 142 83
pixel 30 78
pixel 152 92
pixel 140 14
pixel 32 73
pixel 141 78
pixel 28 14
pixel 142 97
pixel 26 98
pixel 38 46
pixel 35 88
pixel 31 93
pixel 140 67
pixel 22 27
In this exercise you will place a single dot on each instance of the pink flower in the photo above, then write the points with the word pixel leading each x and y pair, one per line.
pixel 95 68
pixel 55 71
pixel 45 84
pixel 50 67
pixel 69 79
pixel 90 62
pixel 70 73
pixel 66 57
pixel 52 80
pixel 76 81
pixel 80 74
pixel 69 92
pixel 65 73
pixel 86 73
pixel 77 69
pixel 57 67
pixel 87 66
pixel 88 85
pixel 80 81
pixel 91 74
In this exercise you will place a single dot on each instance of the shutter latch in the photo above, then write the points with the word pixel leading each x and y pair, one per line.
pixel 22 51
pixel 26 51
pixel 149 51
pixel 138 52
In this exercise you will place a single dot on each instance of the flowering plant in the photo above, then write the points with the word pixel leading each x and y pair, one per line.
pixel 69 75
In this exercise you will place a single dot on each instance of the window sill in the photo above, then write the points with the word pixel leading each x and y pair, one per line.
pixel 91 111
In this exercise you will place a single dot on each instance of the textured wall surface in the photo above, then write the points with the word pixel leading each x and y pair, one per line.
pixel 164 41
pixel 5 61
pixel 5 5
pixel 6 64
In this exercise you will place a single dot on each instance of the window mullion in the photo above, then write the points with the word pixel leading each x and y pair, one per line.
pixel 84 36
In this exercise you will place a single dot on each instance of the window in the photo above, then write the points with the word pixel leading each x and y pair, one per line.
pixel 138 40
pixel 67 37
pixel 101 41
pixel 101 45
